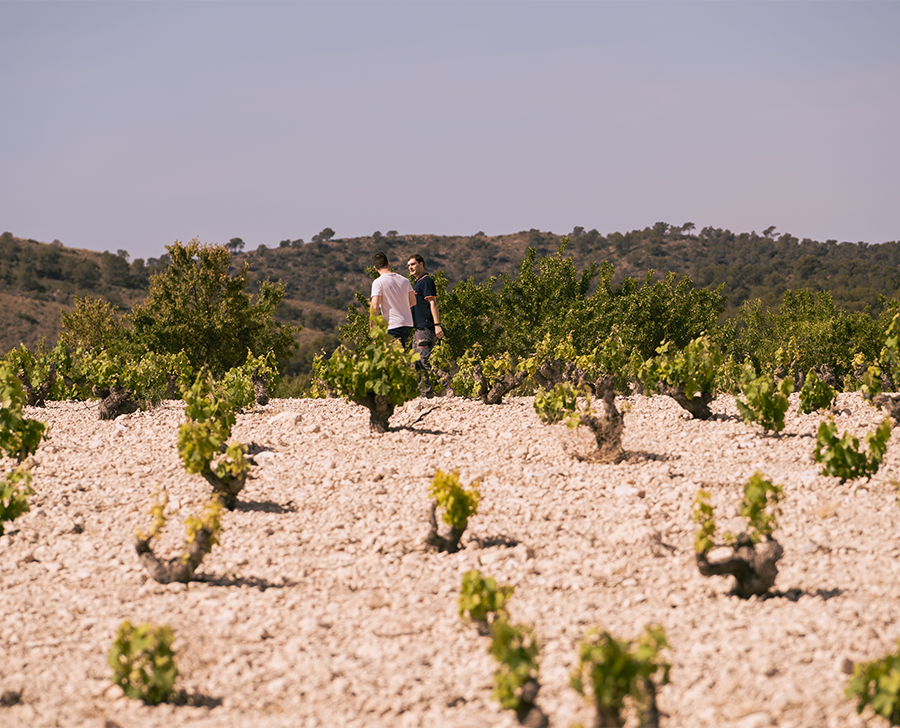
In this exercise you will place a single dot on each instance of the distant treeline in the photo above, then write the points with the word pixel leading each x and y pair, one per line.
pixel 325 274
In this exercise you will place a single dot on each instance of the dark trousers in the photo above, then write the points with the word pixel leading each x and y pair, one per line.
pixel 423 342
pixel 401 333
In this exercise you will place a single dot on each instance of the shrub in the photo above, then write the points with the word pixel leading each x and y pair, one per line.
pixel 841 456
pixel 197 307
pixel 458 506
pixel 689 376
pixel 767 402
pixel 252 381
pixel 143 662
pixel 564 404
pixel 516 682
pixel 877 683
pixel 755 552
pixel 15 488
pixel 210 413
pixel 611 670
pixel 202 535
pixel 481 600
pixel 815 394
pixel 379 376
pixel 19 436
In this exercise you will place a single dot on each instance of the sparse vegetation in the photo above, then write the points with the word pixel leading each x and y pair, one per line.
pixel 202 535
pixel 689 376
pixel 612 671
pixel 841 456
pixel 143 662
pixel 755 553
pixel 210 413
pixel 816 393
pixel 566 404
pixel 20 437
pixel 457 504
pixel 481 600
pixel 379 376
pixel 766 400
pixel 877 684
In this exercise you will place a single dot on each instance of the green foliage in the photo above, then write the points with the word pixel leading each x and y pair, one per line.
pixel 841 457
pixel 238 381
pixel 211 413
pixel 201 535
pixel 158 511
pixel 808 328
pixel 877 683
pixel 463 381
pixel 516 649
pixel 467 314
pixel 38 367
pixel 19 436
pixel 143 662
pixel 766 402
pixel 548 296
pixel 704 541
pixel 815 394
pixel 559 404
pixel 94 325
pixel 210 522
pixel 355 333
pixel 611 670
pixel 480 599
pixel 15 488
pixel 381 367
pixel 760 506
pixel 668 310
pixel 458 504
pixel 197 307
pixel 695 369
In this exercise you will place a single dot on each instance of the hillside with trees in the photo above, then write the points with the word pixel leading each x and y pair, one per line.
pixel 39 281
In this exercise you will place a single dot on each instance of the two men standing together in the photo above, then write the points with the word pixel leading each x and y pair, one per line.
pixel 410 310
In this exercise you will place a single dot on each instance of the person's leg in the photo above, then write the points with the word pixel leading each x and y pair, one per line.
pixel 423 342
pixel 401 333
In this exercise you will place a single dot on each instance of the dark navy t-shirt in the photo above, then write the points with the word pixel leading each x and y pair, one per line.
pixel 422 318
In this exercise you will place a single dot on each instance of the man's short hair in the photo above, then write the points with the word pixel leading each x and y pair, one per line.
pixel 380 260
pixel 419 259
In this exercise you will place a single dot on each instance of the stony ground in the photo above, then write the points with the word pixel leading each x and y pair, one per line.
pixel 321 606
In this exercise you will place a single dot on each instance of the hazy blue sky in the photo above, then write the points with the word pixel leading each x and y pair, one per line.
pixel 128 125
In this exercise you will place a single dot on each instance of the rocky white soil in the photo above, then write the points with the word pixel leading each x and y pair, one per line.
pixel 321 606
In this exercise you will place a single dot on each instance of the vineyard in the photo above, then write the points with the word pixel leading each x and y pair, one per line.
pixel 616 512
pixel 322 604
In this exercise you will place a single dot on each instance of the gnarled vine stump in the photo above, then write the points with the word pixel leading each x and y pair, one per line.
pixel 180 568
pixel 380 410
pixel 754 566
pixel 448 543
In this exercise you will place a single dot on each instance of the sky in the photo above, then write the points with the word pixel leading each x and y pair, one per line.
pixel 130 125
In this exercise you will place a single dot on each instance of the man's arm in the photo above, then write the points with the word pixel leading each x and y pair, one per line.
pixel 435 316
pixel 412 298
pixel 375 304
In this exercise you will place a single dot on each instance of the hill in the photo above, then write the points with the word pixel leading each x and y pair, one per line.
pixel 38 280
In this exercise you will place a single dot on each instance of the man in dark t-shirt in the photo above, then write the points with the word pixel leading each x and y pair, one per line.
pixel 426 321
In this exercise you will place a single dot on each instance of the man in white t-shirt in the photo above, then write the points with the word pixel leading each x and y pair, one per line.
pixel 394 297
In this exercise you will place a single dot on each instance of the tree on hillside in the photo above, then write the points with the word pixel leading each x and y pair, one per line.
pixel 195 306
pixel 324 236
pixel 235 245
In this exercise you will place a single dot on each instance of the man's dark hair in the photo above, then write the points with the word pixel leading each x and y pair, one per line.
pixel 380 260
pixel 419 259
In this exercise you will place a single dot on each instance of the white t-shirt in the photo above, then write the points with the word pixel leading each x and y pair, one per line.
pixel 394 290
